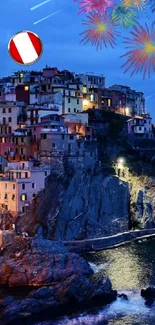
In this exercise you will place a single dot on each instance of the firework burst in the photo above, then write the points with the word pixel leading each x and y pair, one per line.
pixel 86 6
pixel 142 54
pixel 151 6
pixel 138 4
pixel 101 30
pixel 124 17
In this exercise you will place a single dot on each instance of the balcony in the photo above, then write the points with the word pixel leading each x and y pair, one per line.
pixel 59 129
pixel 20 133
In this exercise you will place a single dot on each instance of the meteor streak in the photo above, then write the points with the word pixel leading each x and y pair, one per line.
pixel 39 21
pixel 39 5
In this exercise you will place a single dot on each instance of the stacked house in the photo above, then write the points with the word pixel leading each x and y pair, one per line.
pixel 44 115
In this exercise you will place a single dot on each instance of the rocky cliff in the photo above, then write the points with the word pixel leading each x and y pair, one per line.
pixel 93 206
pixel 142 202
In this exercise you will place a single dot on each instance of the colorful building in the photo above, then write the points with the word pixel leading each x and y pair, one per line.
pixel 140 126
pixel 21 183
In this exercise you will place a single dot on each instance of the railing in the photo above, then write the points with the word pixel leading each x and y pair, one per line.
pixel 53 130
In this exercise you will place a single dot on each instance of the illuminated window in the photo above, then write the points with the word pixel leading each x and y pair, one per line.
pixel 84 90
pixel 109 102
pixel 91 97
pixel 26 88
pixel 3 140
pixel 23 197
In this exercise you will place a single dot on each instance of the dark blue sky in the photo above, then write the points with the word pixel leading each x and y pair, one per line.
pixel 62 48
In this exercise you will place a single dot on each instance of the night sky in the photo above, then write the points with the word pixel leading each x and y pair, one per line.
pixel 62 48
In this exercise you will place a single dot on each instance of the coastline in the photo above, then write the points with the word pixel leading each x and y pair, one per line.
pixel 109 242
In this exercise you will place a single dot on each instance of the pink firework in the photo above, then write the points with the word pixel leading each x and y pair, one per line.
pixel 101 6
pixel 141 57
pixel 101 30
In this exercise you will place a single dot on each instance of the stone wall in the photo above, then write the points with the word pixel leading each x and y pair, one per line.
pixel 59 162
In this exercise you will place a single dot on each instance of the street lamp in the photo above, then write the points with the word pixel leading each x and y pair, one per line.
pixel 121 162
pixel 85 102
pixel 127 111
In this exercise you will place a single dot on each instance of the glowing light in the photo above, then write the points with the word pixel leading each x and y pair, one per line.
pixel 26 88
pixel 85 102
pixel 101 30
pixel 127 110
pixel 141 55
pixel 101 6
pixel 125 17
pixel 121 161
pixel 138 4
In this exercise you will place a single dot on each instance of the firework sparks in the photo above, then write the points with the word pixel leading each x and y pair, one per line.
pixel 101 30
pixel 151 5
pixel 138 4
pixel 101 6
pixel 124 17
pixel 142 54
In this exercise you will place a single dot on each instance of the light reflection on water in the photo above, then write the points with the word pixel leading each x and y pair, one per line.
pixel 130 269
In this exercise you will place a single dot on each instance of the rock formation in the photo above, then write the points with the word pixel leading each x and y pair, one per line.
pixel 142 202
pixel 93 206
pixel 67 281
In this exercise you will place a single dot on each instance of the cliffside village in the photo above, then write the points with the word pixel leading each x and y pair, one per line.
pixel 46 114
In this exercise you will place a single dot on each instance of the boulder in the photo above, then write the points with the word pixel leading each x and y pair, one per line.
pixel 148 293
pixel 56 301
pixel 149 302
pixel 39 262
pixel 67 281
pixel 122 296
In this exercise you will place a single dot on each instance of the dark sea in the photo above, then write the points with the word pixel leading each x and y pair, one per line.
pixel 130 268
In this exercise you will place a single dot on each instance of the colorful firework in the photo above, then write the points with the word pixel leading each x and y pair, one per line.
pixel 125 17
pixel 138 4
pixel 151 5
pixel 101 30
pixel 101 6
pixel 142 54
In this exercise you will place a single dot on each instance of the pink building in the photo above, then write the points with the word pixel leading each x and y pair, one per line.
pixel 21 183
pixel 140 126
pixel 53 121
